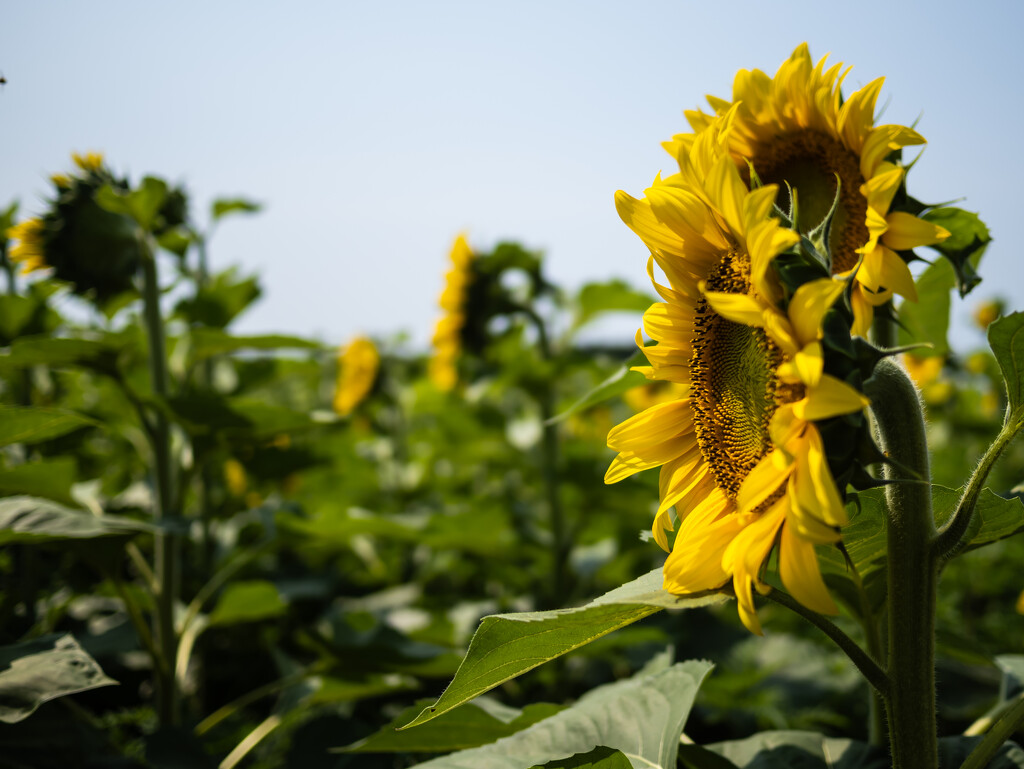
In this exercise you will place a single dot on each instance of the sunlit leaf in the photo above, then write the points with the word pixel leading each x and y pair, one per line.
pixel 785 750
pixel 598 758
pixel 926 321
pixel 1006 338
pixel 48 478
pixel 969 237
pixel 612 296
pixel 994 518
pixel 224 206
pixel 507 645
pixel 476 723
pixel 207 342
pixel 32 520
pixel 248 601
pixel 37 671
pixel 641 716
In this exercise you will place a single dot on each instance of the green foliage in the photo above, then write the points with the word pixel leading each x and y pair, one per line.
pixel 248 601
pixel 594 299
pixel 37 671
pixel 598 758
pixel 30 520
pixel 969 237
pixel 1006 337
pixel 27 424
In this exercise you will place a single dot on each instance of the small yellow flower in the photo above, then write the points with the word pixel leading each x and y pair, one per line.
pixel 358 364
pixel 90 162
pixel 797 128
pixel 30 250
pixel 447 340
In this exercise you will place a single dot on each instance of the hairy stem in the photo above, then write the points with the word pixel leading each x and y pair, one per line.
pixel 912 571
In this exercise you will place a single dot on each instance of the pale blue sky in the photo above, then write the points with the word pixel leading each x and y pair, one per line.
pixel 374 132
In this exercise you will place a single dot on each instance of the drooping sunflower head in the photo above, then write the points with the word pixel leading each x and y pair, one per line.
pixel 742 452
pixel 443 366
pixel 358 365
pixel 795 130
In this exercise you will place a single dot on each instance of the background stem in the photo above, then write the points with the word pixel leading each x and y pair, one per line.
pixel 164 541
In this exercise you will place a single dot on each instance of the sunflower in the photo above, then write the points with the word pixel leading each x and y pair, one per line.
pixel 742 460
pixel 358 363
pixel 447 341
pixel 30 250
pixel 796 129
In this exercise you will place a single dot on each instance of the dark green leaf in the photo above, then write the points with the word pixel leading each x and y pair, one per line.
pixel 141 204
pixel 1006 338
pixel 224 206
pixel 953 751
pixel 598 758
pixel 220 300
pixel 16 312
pixel 31 520
pixel 37 671
pixel 28 424
pixel 236 418
pixel 994 518
pixel 248 601
pixel 207 342
pixel 969 237
pixel 476 723
pixel 48 478
pixel 176 240
pixel 642 717
pixel 622 380
pixel 507 645
pixel 46 351
pixel 613 296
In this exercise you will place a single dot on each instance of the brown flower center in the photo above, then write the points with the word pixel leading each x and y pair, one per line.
pixel 809 161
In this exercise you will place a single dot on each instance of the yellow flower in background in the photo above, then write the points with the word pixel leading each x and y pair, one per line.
pixel 986 313
pixel 926 372
pixel 358 363
pixel 235 478
pixel 741 458
pixel 653 393
pixel 1020 603
pixel 90 162
pixel 30 250
pixel 447 342
pixel 796 128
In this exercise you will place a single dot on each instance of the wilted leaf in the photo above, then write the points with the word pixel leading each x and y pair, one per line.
pixel 36 671
pixel 507 645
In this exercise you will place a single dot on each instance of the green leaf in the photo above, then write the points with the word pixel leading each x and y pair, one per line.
pixel 788 749
pixel 46 351
pixel 141 204
pixel 49 478
pixel 16 312
pixel 969 237
pixel 953 751
pixel 477 723
pixel 207 342
pixel 248 601
pixel 175 240
pixel 994 518
pixel 224 206
pixel 235 418
pixel 613 296
pixel 622 380
pixel 926 321
pixel 221 300
pixel 37 671
pixel 598 758
pixel 32 520
pixel 28 424
pixel 642 717
pixel 508 645
pixel 1006 338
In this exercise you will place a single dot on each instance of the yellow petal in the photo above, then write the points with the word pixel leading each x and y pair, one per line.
pixel 810 303
pixel 628 463
pixel 763 481
pixel 798 568
pixel 830 398
pixel 907 231
pixel 739 308
pixel 653 426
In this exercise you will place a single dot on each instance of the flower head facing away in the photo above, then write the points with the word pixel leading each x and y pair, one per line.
pixel 742 459
pixel 358 364
pixel 795 130
pixel 447 340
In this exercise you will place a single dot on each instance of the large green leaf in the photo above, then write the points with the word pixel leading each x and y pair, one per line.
pixel 476 723
pixel 622 380
pixel 48 478
pixel 29 424
pixel 612 296
pixel 598 758
pixel 789 749
pixel 507 645
pixel 1006 338
pixel 36 671
pixel 207 342
pixel 642 717
pixel 46 351
pixel 32 520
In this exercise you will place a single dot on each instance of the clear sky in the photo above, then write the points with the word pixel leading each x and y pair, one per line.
pixel 374 132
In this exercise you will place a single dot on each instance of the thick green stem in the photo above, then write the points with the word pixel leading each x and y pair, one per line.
pixel 164 545
pixel 912 571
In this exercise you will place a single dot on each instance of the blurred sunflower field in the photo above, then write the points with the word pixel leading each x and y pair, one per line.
pixel 265 551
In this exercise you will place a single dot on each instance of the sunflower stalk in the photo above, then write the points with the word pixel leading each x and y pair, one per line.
pixel 912 572
pixel 165 545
